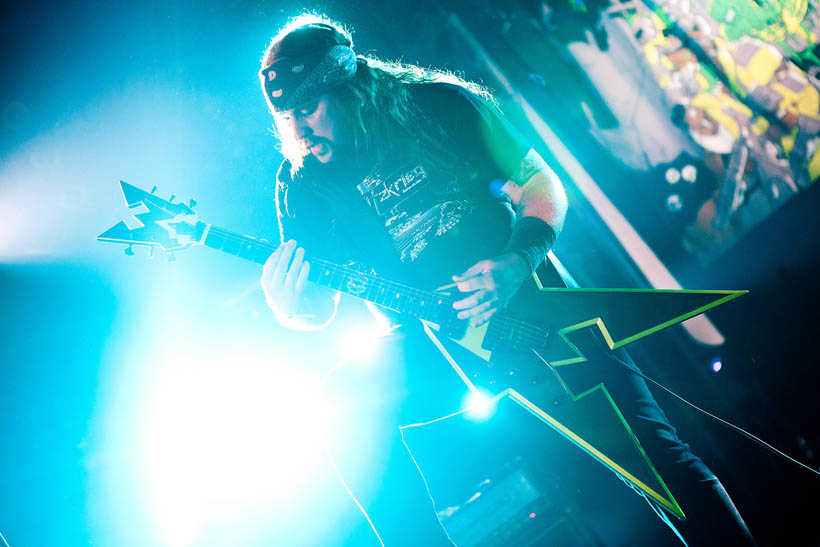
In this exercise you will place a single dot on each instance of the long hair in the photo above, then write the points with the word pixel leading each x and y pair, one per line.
pixel 377 107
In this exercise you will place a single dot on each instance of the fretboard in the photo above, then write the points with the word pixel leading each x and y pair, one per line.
pixel 389 294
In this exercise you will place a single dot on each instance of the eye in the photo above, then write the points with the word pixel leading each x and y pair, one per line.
pixel 307 110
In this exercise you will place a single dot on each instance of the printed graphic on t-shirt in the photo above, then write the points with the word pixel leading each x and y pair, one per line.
pixel 414 212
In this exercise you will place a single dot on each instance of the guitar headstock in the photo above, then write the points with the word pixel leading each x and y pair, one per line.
pixel 161 223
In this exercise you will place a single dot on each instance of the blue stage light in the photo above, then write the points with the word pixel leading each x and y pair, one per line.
pixel 225 440
pixel 716 364
pixel 361 344
pixel 479 406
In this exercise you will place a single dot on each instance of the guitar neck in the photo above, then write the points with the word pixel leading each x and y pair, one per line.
pixel 389 294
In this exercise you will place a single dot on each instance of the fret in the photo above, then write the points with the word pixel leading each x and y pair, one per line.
pixel 411 303
pixel 433 310
pixel 415 307
pixel 394 300
pixel 337 280
pixel 433 315
pixel 239 245
pixel 415 311
pixel 389 295
pixel 386 297
pixel 261 253
pixel 318 274
pixel 231 246
pixel 246 250
pixel 379 297
pixel 424 307
pixel 334 281
pixel 328 278
pixel 214 240
pixel 372 290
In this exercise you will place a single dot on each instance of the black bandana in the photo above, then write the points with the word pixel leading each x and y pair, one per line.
pixel 292 81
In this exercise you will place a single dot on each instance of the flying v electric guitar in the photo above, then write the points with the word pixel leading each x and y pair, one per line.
pixel 521 352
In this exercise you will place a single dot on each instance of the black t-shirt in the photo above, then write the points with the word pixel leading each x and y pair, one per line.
pixel 406 218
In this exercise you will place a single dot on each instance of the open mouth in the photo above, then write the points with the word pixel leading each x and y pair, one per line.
pixel 318 148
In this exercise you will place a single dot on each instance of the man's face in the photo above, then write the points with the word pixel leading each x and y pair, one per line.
pixel 314 125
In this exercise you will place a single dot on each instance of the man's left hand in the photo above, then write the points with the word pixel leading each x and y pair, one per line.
pixel 492 283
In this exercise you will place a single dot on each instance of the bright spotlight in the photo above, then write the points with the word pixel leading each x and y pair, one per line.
pixel 225 440
pixel 479 405
pixel 716 364
pixel 362 344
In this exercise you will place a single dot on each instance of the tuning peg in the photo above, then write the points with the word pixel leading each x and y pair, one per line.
pixel 129 251
pixel 151 252
pixel 192 203
pixel 172 198
pixel 154 189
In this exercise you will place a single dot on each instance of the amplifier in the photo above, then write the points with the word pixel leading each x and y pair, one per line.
pixel 511 511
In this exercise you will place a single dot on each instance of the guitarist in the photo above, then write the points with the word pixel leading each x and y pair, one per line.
pixel 413 173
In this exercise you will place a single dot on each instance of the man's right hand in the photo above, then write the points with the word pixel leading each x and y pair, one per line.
pixel 284 276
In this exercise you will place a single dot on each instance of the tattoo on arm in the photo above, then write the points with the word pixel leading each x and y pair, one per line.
pixel 535 190
pixel 526 170
pixel 530 166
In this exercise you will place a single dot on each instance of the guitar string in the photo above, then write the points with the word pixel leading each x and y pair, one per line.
pixel 344 271
pixel 530 334
pixel 379 283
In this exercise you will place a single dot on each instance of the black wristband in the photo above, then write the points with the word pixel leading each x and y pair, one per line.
pixel 531 238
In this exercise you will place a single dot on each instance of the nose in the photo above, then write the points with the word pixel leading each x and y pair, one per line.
pixel 302 128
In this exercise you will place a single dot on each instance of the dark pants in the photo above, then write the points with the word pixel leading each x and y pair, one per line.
pixel 424 388
pixel 711 516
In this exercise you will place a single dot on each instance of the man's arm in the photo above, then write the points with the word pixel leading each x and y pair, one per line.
pixel 536 191
pixel 540 205
pixel 297 304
